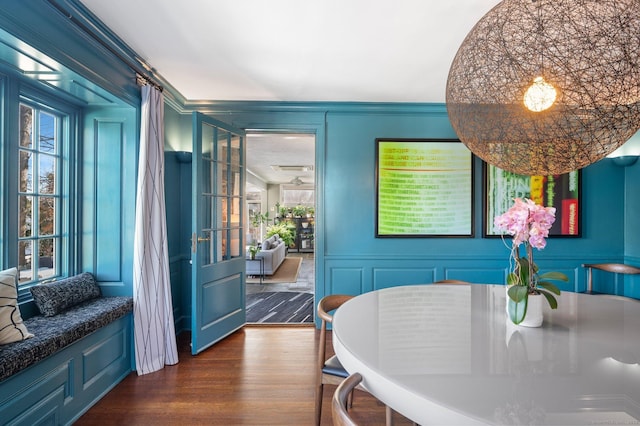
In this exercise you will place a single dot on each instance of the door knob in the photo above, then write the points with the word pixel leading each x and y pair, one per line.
pixel 195 241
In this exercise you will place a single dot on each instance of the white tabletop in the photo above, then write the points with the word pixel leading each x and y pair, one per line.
pixel 448 354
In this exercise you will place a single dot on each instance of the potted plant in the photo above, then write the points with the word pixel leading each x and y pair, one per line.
pixel 284 212
pixel 284 230
pixel 299 211
pixel 253 250
pixel 529 225
pixel 258 219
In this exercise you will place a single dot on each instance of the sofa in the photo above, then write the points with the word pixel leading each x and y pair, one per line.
pixel 273 250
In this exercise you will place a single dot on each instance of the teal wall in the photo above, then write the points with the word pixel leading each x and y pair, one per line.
pixel 349 259
pixel 178 198
pixel 632 226
pixel 109 153
pixel 356 261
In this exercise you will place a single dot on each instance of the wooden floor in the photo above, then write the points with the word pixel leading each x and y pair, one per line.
pixel 260 375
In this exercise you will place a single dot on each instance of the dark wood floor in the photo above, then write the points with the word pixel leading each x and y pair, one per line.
pixel 260 375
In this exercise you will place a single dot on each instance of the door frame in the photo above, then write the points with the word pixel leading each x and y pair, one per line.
pixel 311 123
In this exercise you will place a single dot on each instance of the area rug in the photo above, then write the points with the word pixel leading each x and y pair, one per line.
pixel 280 307
pixel 287 272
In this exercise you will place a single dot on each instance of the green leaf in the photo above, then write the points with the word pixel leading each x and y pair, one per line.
pixel 517 310
pixel 557 276
pixel 549 286
pixel 517 293
pixel 553 303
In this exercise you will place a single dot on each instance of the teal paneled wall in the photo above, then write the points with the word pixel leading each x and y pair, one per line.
pixel 109 157
pixel 178 200
pixel 350 196
pixel 350 176
pixel 177 130
pixel 174 233
pixel 349 259
pixel 632 213
pixel 350 215
pixel 632 227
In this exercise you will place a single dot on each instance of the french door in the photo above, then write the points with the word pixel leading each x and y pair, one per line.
pixel 217 238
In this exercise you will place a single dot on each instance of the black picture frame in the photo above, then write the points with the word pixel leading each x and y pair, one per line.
pixel 563 192
pixel 424 188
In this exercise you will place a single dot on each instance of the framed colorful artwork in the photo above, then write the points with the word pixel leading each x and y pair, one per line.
pixel 559 191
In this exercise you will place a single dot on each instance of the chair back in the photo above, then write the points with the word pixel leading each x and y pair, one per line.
pixel 616 268
pixel 452 282
pixel 331 303
pixel 339 411
pixel 325 307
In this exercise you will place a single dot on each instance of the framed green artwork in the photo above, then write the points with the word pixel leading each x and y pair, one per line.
pixel 424 188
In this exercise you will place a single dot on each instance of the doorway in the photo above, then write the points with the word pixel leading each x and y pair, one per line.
pixel 280 193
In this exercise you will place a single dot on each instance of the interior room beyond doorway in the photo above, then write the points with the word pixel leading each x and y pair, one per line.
pixel 280 196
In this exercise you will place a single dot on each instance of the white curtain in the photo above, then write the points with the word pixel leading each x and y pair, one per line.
pixel 154 332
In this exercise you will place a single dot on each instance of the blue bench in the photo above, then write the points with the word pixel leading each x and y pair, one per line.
pixel 75 357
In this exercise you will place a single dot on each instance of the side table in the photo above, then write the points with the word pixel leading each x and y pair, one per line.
pixel 261 261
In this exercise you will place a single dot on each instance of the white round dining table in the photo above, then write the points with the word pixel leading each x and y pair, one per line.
pixel 449 355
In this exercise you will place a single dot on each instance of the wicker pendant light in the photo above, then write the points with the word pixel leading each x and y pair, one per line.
pixel 542 87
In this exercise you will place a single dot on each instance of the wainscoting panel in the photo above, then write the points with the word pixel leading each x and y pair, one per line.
pixel 108 184
pixel 346 280
pixel 356 276
pixel 392 277
pixel 477 275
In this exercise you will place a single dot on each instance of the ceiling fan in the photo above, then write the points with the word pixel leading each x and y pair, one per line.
pixel 296 181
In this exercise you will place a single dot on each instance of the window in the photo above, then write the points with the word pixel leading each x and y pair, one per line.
pixel 222 197
pixel 297 195
pixel 39 201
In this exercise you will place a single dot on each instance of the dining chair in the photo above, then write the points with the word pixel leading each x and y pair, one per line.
pixel 451 282
pixel 330 371
pixel 340 401
pixel 616 268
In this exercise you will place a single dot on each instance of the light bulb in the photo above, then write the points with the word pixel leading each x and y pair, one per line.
pixel 540 95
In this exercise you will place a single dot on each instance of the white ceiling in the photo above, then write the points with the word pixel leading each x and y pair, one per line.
pixel 296 50
pixel 267 149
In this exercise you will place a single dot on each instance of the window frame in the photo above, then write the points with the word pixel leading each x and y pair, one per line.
pixel 15 93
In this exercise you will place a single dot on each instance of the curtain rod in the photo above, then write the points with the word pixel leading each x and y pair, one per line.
pixel 142 80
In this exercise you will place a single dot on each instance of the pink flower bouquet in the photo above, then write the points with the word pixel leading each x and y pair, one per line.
pixel 529 224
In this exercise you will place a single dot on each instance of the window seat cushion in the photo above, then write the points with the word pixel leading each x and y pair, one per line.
pixel 54 333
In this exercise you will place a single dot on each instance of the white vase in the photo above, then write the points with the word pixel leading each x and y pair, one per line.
pixel 535 308
pixel 534 316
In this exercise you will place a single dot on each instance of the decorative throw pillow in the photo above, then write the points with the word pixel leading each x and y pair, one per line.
pixel 55 297
pixel 266 245
pixel 11 327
